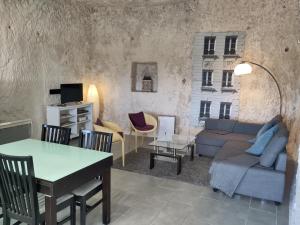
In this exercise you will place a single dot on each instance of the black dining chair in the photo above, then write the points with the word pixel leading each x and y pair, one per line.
pixel 55 134
pixel 98 141
pixel 19 197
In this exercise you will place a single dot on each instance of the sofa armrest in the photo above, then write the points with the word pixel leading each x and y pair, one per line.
pixel 280 164
pixel 247 128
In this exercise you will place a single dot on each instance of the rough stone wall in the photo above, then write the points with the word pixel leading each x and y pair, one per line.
pixel 46 42
pixel 42 44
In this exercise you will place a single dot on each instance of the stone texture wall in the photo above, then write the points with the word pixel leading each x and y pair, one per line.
pixel 42 44
pixel 46 42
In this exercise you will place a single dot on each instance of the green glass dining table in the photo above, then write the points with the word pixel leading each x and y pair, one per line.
pixel 59 169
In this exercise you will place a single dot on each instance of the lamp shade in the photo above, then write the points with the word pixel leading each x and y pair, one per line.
pixel 242 69
pixel 93 97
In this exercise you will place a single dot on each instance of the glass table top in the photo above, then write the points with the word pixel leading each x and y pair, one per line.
pixel 53 161
pixel 178 142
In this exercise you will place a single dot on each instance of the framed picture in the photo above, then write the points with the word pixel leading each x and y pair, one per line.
pixel 144 77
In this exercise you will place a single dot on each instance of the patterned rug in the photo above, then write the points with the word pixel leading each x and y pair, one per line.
pixel 195 172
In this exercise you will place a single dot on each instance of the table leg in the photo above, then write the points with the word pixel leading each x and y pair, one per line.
pixel 192 147
pixel 152 160
pixel 178 164
pixel 106 188
pixel 50 206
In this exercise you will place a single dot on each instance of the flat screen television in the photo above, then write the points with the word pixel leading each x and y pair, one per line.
pixel 71 93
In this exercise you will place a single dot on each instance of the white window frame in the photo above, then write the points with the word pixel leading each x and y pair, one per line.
pixel 206 78
pixel 209 44
pixel 230 43
pixel 205 108
pixel 226 104
pixel 227 79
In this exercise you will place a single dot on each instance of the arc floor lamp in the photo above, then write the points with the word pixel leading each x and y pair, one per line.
pixel 245 68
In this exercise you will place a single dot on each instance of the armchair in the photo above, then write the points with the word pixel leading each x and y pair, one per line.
pixel 116 130
pixel 142 124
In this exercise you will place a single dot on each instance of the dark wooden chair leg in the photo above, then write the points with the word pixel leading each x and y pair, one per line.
pixel 178 165
pixel 73 213
pixel 6 220
pixel 192 152
pixel 83 212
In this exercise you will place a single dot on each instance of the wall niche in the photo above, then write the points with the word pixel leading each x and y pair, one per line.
pixel 144 77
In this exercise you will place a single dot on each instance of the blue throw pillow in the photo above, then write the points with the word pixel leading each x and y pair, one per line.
pixel 261 142
pixel 268 125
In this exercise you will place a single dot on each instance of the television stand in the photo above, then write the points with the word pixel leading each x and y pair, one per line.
pixel 76 116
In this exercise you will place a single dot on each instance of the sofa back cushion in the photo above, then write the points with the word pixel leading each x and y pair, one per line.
pixel 220 124
pixel 275 147
pixel 277 119
pixel 262 141
pixel 246 128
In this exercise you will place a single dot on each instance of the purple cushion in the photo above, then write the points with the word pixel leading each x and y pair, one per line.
pixel 137 119
pixel 99 122
pixel 145 128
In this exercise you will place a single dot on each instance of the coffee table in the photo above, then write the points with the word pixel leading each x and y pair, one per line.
pixel 174 150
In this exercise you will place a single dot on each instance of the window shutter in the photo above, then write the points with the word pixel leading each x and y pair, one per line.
pixel 206 41
pixel 226 51
pixel 229 74
pixel 203 78
pixel 224 78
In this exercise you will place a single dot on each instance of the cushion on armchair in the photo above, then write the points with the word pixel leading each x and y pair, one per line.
pixel 137 119
pixel 99 122
pixel 145 128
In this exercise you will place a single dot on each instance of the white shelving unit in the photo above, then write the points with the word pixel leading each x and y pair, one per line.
pixel 75 116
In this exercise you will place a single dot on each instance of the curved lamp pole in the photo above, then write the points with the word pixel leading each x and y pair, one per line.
pixel 244 68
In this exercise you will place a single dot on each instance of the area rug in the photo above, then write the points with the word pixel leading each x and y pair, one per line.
pixel 195 172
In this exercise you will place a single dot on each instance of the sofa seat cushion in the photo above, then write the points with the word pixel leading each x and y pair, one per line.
pixel 208 138
pixel 212 137
pixel 230 149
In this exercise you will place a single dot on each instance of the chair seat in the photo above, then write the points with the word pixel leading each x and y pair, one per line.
pixel 61 200
pixel 145 128
pixel 87 188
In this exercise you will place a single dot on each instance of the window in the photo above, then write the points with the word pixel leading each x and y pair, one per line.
pixel 225 110
pixel 227 78
pixel 209 45
pixel 205 109
pixel 230 45
pixel 207 78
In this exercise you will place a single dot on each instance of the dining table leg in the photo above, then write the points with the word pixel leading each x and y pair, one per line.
pixel 106 191
pixel 50 214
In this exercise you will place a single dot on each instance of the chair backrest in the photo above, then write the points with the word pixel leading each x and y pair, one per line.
pixel 55 134
pixel 18 188
pixel 94 140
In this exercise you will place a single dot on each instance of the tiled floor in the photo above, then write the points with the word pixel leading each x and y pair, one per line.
pixel 145 200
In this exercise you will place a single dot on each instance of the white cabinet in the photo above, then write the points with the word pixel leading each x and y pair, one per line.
pixel 76 117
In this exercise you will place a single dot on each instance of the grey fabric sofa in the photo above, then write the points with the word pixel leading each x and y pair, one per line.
pixel 222 139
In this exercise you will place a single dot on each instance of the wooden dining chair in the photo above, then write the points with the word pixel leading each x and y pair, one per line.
pixel 98 141
pixel 55 134
pixel 19 197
